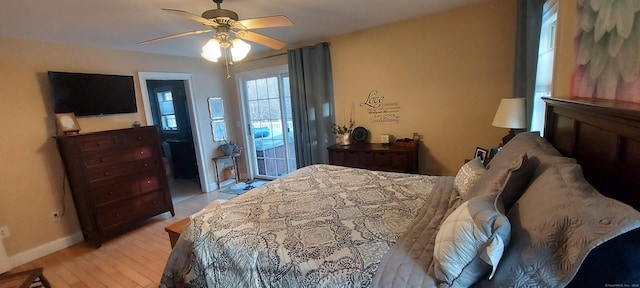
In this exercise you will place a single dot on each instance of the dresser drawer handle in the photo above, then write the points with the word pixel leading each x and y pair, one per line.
pixel 103 160
pixel 148 181
pixel 145 165
pixel 117 214
pixel 107 173
pixel 97 143
pixel 139 138
pixel 154 202
pixel 110 192
pixel 141 152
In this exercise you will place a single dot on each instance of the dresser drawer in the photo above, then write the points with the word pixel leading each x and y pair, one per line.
pixel 336 157
pixel 97 142
pixel 382 159
pixel 138 137
pixel 366 159
pixel 120 156
pixel 105 193
pixel 130 210
pixel 400 162
pixel 376 156
pixel 121 169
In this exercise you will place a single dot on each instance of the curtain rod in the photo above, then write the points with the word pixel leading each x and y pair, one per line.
pixel 267 57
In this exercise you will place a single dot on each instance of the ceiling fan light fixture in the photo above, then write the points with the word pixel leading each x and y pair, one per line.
pixel 211 50
pixel 239 49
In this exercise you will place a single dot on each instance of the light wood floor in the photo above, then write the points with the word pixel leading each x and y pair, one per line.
pixel 135 259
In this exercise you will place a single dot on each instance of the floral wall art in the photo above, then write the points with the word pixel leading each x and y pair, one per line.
pixel 608 50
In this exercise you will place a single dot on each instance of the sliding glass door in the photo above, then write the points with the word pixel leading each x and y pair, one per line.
pixel 269 122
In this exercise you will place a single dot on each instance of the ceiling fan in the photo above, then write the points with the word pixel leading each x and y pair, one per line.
pixel 229 30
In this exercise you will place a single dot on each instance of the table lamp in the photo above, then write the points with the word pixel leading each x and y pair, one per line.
pixel 510 114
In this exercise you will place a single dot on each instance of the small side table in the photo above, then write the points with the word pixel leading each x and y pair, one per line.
pixel 234 158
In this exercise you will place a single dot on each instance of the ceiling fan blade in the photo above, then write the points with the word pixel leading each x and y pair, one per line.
pixel 261 39
pixel 265 22
pixel 193 17
pixel 176 36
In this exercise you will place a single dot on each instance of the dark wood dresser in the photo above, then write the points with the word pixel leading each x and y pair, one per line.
pixel 117 179
pixel 376 156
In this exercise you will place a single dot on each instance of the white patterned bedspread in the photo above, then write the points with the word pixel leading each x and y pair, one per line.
pixel 321 226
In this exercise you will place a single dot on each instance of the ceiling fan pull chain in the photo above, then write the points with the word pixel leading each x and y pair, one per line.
pixel 226 61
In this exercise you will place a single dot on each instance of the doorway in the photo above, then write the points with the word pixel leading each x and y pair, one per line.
pixel 185 78
pixel 268 118
pixel 170 111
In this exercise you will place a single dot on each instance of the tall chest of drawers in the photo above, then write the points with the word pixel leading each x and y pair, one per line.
pixel 376 156
pixel 117 179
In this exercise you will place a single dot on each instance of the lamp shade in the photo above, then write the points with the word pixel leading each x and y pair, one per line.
pixel 239 49
pixel 211 50
pixel 511 114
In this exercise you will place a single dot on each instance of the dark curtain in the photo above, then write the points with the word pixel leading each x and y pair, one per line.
pixel 527 45
pixel 312 102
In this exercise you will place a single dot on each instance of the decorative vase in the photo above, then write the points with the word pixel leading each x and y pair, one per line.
pixel 343 139
pixel 227 149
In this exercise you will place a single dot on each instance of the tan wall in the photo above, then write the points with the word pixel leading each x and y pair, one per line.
pixel 30 167
pixel 447 71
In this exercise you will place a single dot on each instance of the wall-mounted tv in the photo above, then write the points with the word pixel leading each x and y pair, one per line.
pixel 92 94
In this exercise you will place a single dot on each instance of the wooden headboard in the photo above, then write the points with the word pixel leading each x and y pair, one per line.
pixel 604 137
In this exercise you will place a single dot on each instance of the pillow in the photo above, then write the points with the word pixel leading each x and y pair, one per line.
pixel 468 174
pixel 507 181
pixel 558 220
pixel 470 242
pixel 536 147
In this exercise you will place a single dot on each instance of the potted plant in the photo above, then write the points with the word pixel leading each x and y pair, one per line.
pixel 343 133
pixel 228 148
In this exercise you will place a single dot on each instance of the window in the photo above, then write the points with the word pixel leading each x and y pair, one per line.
pixel 544 75
pixel 167 111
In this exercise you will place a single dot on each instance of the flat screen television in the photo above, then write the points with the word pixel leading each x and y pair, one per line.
pixel 92 94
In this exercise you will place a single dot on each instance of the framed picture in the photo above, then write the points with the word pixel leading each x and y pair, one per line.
pixel 216 110
pixel 219 129
pixel 481 153
pixel 67 123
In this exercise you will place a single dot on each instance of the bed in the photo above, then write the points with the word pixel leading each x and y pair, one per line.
pixel 529 218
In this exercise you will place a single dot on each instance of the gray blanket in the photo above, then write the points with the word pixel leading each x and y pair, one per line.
pixel 409 263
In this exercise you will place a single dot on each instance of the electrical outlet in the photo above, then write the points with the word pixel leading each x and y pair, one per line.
pixel 4 232
pixel 56 216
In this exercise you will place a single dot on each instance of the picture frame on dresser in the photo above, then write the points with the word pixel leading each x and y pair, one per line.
pixel 481 153
pixel 67 123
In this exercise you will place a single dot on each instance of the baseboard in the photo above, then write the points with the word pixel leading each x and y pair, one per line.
pixel 45 249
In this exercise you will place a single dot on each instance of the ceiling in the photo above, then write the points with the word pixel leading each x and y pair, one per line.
pixel 121 24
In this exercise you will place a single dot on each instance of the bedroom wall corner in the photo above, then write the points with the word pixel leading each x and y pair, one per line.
pixel 32 171
pixel 444 73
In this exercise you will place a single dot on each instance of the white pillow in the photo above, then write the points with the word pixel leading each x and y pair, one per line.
pixel 468 174
pixel 470 242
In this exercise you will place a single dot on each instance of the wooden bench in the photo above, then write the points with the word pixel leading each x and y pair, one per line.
pixel 175 229
pixel 31 278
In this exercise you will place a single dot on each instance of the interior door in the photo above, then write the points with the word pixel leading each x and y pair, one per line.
pixel 170 112
pixel 267 102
